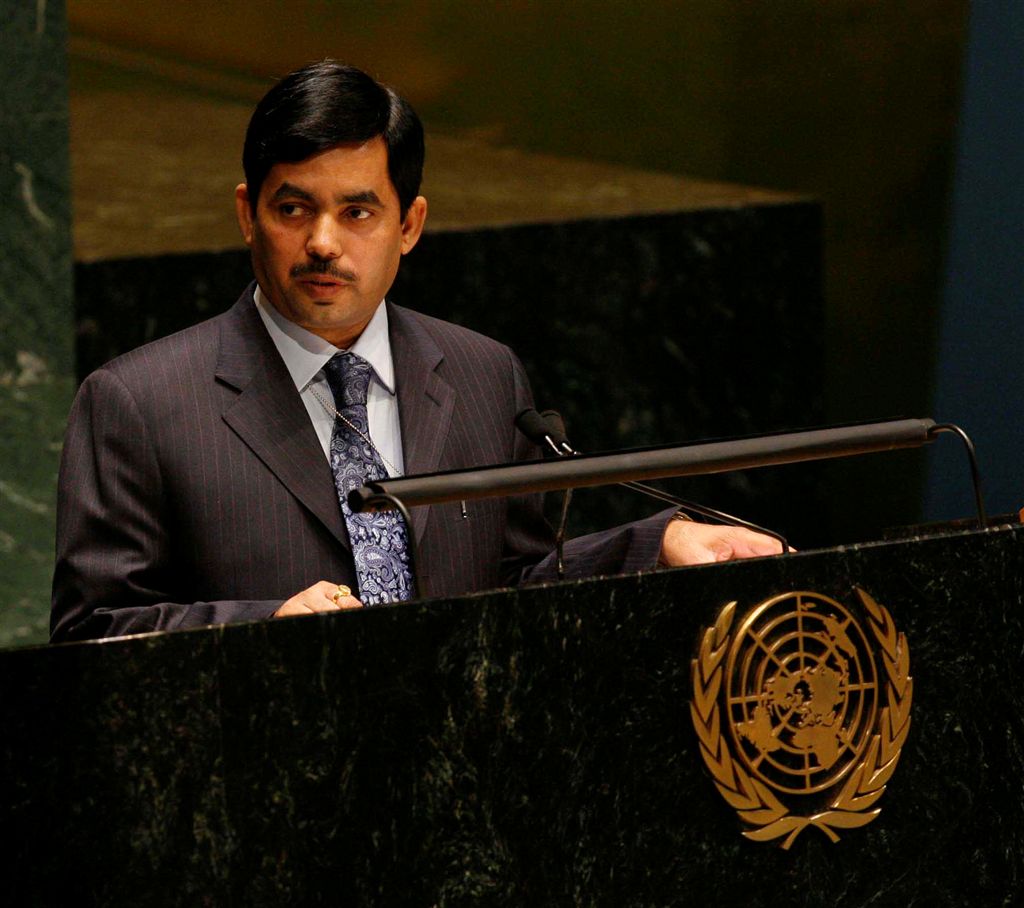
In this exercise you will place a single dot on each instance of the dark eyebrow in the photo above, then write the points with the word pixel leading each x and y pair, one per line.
pixel 290 191
pixel 366 196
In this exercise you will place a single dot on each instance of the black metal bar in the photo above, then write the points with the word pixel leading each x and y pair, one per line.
pixel 652 463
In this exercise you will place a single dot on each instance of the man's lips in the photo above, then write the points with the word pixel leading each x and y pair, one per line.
pixel 320 286
pixel 322 279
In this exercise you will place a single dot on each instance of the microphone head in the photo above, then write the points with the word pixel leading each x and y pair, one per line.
pixel 555 427
pixel 533 426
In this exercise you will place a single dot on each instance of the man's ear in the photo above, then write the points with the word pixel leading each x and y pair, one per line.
pixel 244 212
pixel 412 226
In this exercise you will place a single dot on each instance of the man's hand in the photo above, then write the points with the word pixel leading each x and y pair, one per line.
pixel 320 597
pixel 689 542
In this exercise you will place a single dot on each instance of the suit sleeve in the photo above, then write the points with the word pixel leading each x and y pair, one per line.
pixel 530 541
pixel 115 571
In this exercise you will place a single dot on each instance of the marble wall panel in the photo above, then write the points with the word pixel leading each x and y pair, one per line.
pixel 36 350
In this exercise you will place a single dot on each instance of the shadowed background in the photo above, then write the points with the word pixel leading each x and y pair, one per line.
pixel 853 103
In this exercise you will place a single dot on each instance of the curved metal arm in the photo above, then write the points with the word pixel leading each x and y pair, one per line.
pixel 972 459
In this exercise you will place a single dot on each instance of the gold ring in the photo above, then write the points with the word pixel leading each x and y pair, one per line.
pixel 342 592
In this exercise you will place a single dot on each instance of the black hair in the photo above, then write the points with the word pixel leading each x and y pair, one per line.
pixel 327 104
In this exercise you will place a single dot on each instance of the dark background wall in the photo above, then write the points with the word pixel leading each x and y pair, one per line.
pixel 979 380
pixel 851 101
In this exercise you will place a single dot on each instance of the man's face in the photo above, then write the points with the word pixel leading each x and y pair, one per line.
pixel 327 237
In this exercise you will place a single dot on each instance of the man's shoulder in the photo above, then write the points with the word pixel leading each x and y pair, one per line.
pixel 450 338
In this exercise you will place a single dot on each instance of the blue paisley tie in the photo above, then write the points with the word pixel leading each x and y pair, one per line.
pixel 380 541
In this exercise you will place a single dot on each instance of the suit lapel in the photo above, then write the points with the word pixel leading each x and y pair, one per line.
pixel 425 400
pixel 269 416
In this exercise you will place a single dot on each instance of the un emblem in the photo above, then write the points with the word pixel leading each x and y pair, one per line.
pixel 801 713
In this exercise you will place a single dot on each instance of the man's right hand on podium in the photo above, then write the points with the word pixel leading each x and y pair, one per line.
pixel 320 597
pixel 688 542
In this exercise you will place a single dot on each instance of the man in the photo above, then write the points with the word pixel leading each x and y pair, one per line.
pixel 204 475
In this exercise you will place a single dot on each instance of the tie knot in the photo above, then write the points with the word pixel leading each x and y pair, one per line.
pixel 349 378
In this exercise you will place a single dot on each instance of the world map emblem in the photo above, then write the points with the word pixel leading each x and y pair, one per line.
pixel 801 710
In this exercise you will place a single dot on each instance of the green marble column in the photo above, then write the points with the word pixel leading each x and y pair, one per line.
pixel 36 367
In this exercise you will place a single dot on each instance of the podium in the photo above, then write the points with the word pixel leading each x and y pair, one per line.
pixel 519 747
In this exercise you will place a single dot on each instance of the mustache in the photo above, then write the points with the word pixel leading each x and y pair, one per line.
pixel 322 268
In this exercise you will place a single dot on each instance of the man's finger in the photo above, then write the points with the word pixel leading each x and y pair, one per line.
pixel 341 596
pixel 323 596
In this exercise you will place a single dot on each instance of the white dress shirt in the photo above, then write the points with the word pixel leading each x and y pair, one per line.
pixel 305 355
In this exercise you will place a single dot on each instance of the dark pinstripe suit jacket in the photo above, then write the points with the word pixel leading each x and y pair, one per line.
pixel 193 489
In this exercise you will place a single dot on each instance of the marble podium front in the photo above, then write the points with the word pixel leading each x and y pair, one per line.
pixel 518 747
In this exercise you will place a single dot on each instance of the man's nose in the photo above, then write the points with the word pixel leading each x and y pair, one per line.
pixel 324 240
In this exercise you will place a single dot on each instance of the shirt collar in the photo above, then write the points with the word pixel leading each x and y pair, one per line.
pixel 305 354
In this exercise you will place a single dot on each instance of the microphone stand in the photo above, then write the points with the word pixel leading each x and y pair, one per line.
pixel 660 462
pixel 559 443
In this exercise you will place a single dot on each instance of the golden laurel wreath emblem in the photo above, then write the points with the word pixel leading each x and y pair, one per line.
pixel 790 709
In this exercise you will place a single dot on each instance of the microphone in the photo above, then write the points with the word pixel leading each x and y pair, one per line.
pixel 556 429
pixel 535 427
pixel 549 428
